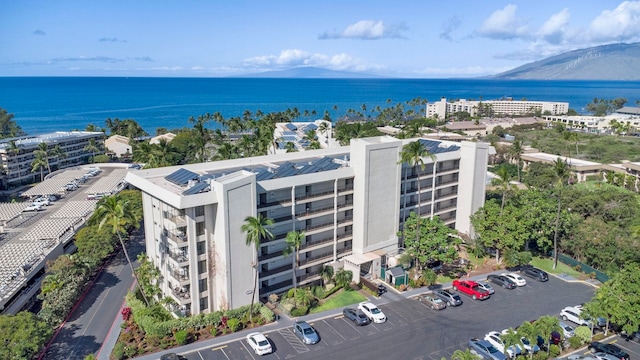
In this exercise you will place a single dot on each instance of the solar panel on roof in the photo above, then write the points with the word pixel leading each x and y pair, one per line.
pixel 181 177
pixel 311 127
pixel 291 127
pixel 288 133
pixel 196 189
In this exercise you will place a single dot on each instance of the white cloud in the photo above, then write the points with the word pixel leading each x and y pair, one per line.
pixel 503 24
pixel 291 58
pixel 367 30
pixel 554 29
pixel 619 24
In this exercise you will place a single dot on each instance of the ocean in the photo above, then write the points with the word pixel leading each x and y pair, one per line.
pixel 47 104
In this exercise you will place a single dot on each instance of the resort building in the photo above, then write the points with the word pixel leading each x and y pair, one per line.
pixel 118 145
pixel 17 155
pixel 294 136
pixel 350 202
pixel 600 124
pixel 508 106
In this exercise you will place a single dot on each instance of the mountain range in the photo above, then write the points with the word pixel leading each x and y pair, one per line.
pixel 620 62
pixel 616 62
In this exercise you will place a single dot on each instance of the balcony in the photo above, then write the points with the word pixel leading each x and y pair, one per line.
pixel 179 220
pixel 179 257
pixel 181 296
pixel 308 278
pixel 345 188
pixel 281 202
pixel 277 287
pixel 264 257
pixel 177 238
pixel 181 274
pixel 316 259
pixel 346 236
pixel 277 270
pixel 313 195
pixel 447 182
pixel 344 204
pixel 310 245
pixel 315 211
pixel 345 220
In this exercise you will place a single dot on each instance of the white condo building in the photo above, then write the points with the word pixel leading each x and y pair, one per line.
pixel 350 202
pixel 507 107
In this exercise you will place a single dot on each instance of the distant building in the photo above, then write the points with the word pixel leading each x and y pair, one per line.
pixel 295 133
pixel 599 124
pixel 17 155
pixel 118 145
pixel 469 128
pixel 350 202
pixel 167 137
pixel 441 108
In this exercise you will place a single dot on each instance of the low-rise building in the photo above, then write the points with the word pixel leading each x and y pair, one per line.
pixel 350 202
pixel 440 109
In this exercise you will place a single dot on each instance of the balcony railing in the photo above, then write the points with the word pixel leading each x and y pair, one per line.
pixel 279 269
pixel 281 202
pixel 345 188
pixel 266 290
pixel 270 256
pixel 315 211
pixel 316 258
pixel 313 194
pixel 179 220
pixel 178 238
pixel 179 257
pixel 313 243
pixel 180 274
pixel 182 295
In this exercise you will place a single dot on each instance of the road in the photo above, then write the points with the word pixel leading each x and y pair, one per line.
pixel 88 325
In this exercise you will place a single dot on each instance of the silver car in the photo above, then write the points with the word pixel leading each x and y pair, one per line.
pixel 306 333
pixel 486 287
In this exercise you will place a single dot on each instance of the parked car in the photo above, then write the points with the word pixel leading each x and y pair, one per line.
pixel 33 207
pixel 567 330
pixel 259 343
pixel 306 333
pixel 580 357
pixel 484 349
pixel 634 336
pixel 381 289
pixel 372 312
pixel 574 314
pixel 604 356
pixel 517 279
pixel 433 302
pixel 535 273
pixel 502 281
pixel 42 200
pixel 470 288
pixel 610 349
pixel 494 338
pixel 448 297
pixel 486 287
pixel 528 347
pixel 358 317
pixel 171 356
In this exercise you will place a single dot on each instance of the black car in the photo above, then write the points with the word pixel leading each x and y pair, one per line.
pixel 448 297
pixel 608 349
pixel 358 317
pixel 502 281
pixel 535 273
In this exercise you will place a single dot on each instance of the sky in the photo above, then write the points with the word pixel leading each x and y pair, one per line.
pixel 209 38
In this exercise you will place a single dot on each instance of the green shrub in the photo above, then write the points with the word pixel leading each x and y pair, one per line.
pixel 130 350
pixel 101 159
pixel 299 311
pixel 554 351
pixel 331 292
pixel 583 333
pixel 233 324
pixel 181 337
pixel 267 314
pixel 429 277
pixel 153 340
pixel 575 342
pixel 291 293
pixel 118 351
pixel 317 291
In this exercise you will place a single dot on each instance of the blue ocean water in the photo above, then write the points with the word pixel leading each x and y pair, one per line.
pixel 45 104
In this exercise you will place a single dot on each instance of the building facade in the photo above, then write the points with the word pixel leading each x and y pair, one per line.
pixel 17 155
pixel 350 202
pixel 441 108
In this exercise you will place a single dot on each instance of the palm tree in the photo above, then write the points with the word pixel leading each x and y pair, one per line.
pixel 164 154
pixel 343 278
pixel 528 332
pixel 291 147
pixel 561 172
pixel 324 128
pixel 413 154
pixel 58 153
pixel 294 241
pixel 545 325
pixel 93 148
pixel 115 212
pixel 504 179
pixel 512 340
pixel 43 150
pixel 39 163
pixel 465 354
pixel 516 154
pixel 257 229
pixel 326 271
pixel 202 133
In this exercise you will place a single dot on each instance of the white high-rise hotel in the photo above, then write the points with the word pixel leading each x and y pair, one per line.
pixel 350 202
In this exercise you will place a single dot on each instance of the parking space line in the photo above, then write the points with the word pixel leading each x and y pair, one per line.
pixel 219 348
pixel 250 351
pixel 293 341
pixel 334 330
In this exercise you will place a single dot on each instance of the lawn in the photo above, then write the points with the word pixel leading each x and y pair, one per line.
pixel 546 264
pixel 341 299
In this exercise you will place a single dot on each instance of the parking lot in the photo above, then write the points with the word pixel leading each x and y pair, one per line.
pixel 630 347
pixel 414 331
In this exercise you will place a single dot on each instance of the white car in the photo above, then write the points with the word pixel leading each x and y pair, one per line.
pixel 259 343
pixel 494 338
pixel 42 200
pixel 33 207
pixel 373 313
pixel 604 356
pixel 517 279
pixel 573 314
pixel 567 329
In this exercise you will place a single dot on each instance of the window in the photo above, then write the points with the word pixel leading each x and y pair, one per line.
pixel 202 285
pixel 202 267
pixel 200 228
pixel 201 247
pixel 199 210
pixel 204 303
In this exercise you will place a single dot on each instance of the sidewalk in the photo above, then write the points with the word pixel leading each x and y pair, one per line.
pixel 284 321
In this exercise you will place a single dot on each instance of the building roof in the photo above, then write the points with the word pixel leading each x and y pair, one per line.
pixel 629 110
pixel 168 137
pixel 464 125
pixel 28 141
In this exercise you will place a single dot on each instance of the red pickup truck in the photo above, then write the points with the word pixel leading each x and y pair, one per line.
pixel 470 288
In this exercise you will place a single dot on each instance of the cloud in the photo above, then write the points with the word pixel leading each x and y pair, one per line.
pixel 449 26
pixel 367 30
pixel 619 24
pixel 115 39
pixel 292 58
pixel 503 25
pixel 39 32
pixel 554 29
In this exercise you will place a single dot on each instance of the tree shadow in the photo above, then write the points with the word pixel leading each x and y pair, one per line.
pixel 69 346
pixel 103 282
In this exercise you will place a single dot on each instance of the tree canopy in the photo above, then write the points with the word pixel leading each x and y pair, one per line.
pixel 435 240
pixel 8 127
